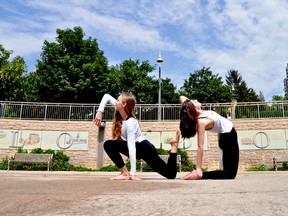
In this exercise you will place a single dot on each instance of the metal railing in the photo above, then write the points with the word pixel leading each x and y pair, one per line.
pixel 144 112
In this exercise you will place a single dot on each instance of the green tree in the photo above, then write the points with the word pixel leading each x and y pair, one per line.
pixel 205 87
pixel 133 76
pixel 261 96
pixel 72 69
pixel 11 73
pixel 286 93
pixel 29 88
pixel 277 98
pixel 168 92
pixel 246 94
pixel 239 88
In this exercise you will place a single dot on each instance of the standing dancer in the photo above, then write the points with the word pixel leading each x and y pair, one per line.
pixel 130 141
pixel 194 120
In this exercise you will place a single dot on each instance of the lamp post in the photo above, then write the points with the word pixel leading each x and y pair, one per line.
pixel 159 61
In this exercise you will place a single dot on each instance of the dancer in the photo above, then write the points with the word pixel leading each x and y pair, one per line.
pixel 130 141
pixel 195 120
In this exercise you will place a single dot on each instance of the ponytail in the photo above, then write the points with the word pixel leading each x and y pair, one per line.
pixel 117 125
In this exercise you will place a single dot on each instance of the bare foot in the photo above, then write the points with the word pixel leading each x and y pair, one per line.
pixel 192 176
pixel 121 177
pixel 134 178
pixel 175 141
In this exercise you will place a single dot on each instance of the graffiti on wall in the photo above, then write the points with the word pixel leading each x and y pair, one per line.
pixel 262 139
pixel 73 140
pixel 247 139
pixel 56 140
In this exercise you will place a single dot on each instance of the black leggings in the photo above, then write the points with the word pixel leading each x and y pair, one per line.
pixel 144 150
pixel 229 144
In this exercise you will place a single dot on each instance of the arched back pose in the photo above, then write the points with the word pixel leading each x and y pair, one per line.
pixel 195 120
pixel 130 141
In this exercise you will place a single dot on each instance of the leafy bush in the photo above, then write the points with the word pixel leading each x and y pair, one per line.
pixel 262 167
pixel 4 164
pixel 259 168
pixel 109 168
pixel 60 162
pixel 186 164
pixel 283 167
pixel 21 150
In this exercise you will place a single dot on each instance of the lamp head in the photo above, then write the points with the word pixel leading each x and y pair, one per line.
pixel 159 59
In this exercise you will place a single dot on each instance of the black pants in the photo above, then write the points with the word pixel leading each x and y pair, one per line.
pixel 229 144
pixel 144 150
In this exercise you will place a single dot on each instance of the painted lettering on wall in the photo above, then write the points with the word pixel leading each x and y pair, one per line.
pixel 262 139
pixel 30 139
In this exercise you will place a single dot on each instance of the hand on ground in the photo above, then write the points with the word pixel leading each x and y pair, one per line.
pixel 194 175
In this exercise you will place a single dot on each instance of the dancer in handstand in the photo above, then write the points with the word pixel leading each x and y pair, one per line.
pixel 130 141
pixel 195 120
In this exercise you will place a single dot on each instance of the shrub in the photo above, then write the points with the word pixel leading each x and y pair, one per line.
pixel 109 168
pixel 259 168
pixel 283 167
pixel 60 162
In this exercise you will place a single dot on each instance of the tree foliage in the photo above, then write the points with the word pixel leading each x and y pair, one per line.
pixel 168 92
pixel 239 88
pixel 277 98
pixel 206 87
pixel 286 93
pixel 11 73
pixel 72 69
pixel 133 76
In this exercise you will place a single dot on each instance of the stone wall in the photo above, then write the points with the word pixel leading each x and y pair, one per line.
pixel 88 158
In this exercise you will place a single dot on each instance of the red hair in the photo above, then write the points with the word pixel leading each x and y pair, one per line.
pixel 188 119
pixel 130 101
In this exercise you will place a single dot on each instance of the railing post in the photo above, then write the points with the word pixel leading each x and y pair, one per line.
pixel 101 140
pixel 45 115
pixel 94 110
pixel 140 112
pixel 69 112
pixel 21 109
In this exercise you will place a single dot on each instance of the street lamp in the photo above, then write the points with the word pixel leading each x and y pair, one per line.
pixel 159 61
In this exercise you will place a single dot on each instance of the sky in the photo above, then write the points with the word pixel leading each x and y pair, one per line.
pixel 248 36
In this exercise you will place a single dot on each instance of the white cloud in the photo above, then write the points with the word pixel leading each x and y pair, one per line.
pixel 249 36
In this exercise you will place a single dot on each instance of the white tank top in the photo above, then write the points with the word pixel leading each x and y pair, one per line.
pixel 221 124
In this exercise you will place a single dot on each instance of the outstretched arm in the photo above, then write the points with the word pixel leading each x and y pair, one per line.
pixel 105 99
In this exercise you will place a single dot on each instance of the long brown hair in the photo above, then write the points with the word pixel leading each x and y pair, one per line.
pixel 188 119
pixel 130 101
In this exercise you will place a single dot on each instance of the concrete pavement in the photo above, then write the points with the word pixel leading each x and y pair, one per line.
pixel 92 193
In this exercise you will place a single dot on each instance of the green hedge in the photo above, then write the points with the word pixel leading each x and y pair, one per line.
pixel 61 162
